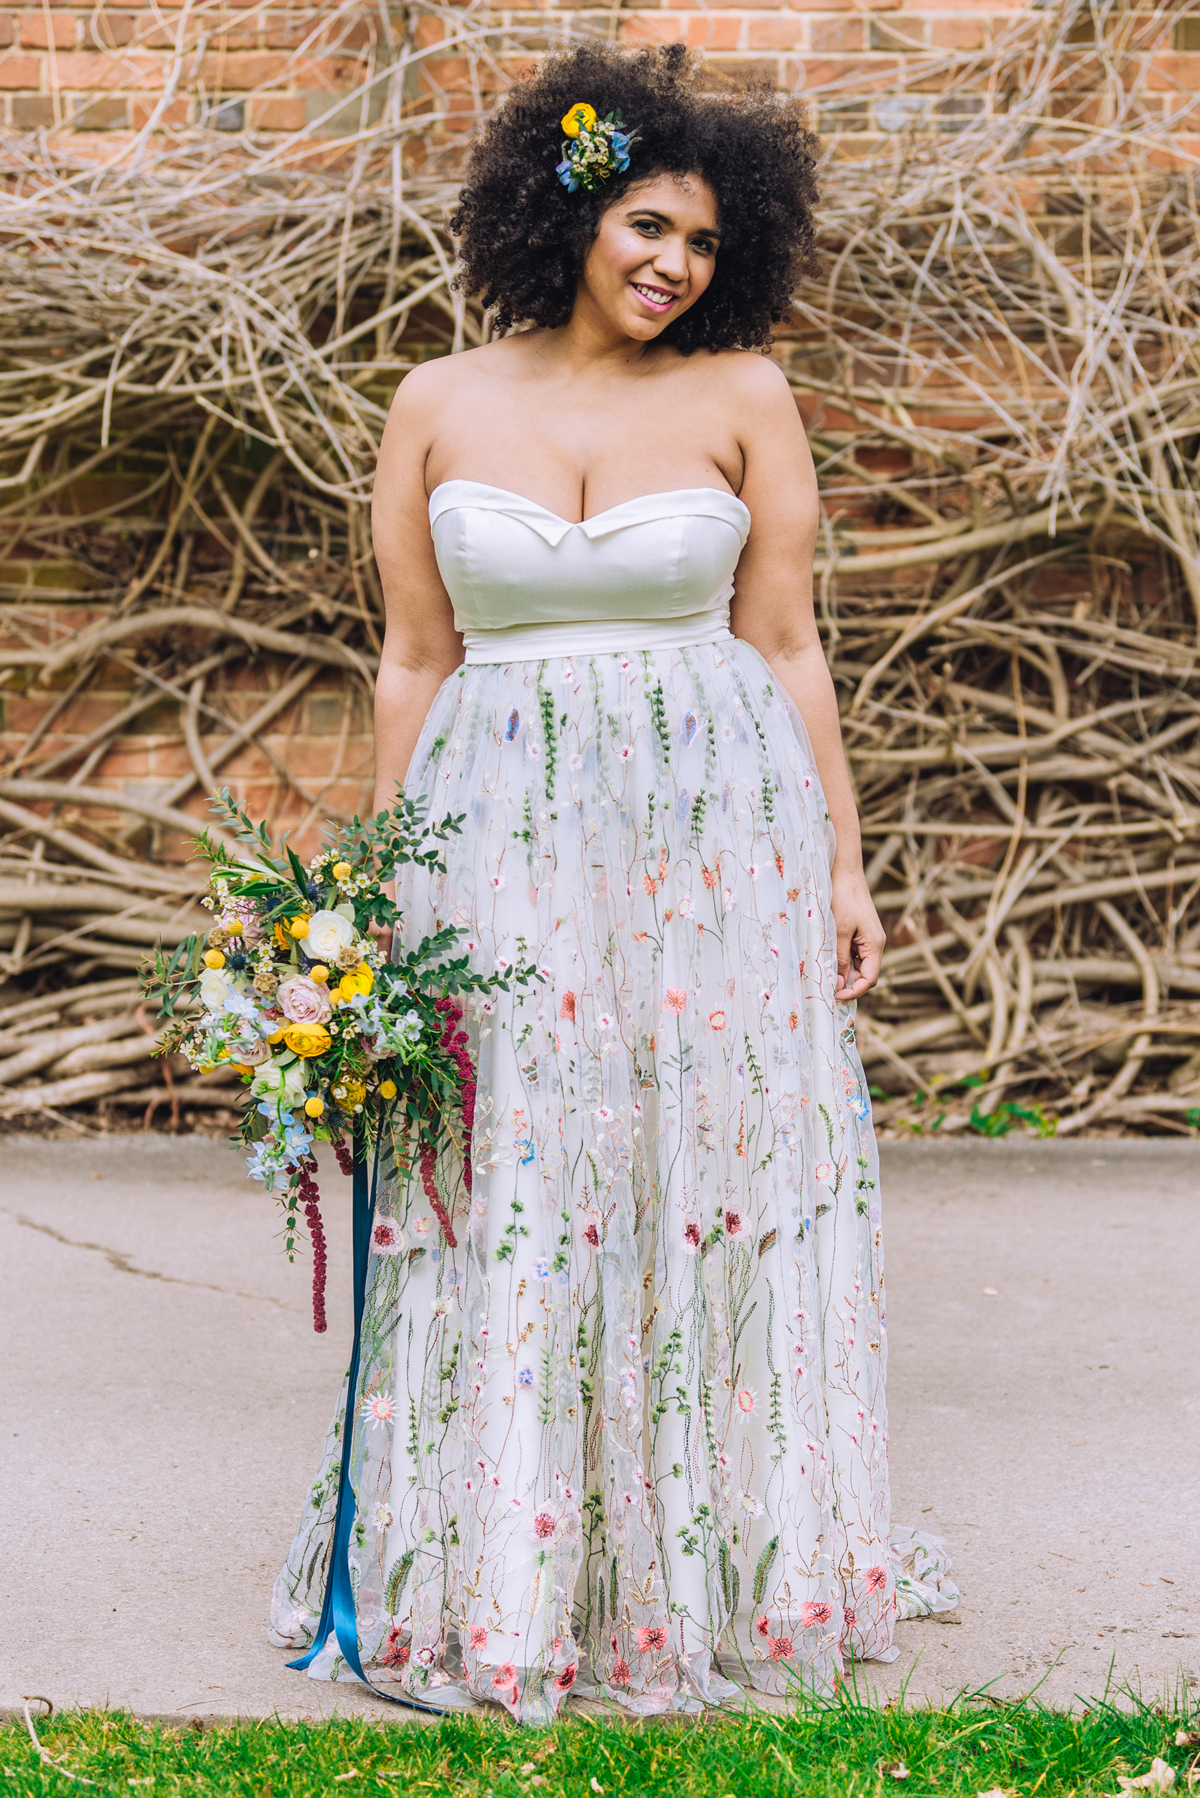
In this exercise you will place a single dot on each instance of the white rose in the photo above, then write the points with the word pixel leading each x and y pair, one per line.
pixel 215 989
pixel 328 931
pixel 276 1082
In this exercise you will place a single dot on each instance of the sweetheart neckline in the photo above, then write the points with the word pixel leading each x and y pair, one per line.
pixel 574 524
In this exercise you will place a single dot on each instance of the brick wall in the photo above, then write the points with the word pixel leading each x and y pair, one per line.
pixel 270 68
pixel 86 79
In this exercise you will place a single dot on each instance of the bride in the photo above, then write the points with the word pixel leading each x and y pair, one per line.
pixel 625 1433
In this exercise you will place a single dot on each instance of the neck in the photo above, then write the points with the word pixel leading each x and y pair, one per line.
pixel 589 343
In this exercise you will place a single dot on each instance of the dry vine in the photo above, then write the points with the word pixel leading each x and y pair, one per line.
pixel 1001 367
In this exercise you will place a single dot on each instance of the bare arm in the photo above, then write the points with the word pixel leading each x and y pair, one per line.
pixel 421 646
pixel 773 610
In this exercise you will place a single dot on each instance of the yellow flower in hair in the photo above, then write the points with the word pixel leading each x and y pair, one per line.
pixel 580 118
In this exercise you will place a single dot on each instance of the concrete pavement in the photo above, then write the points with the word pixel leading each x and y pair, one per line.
pixel 165 1400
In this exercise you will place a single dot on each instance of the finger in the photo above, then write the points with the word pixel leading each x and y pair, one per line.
pixel 845 957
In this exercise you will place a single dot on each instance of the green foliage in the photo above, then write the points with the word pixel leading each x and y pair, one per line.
pixel 1000 1121
pixel 819 1750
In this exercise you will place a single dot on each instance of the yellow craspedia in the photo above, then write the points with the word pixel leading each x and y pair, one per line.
pixel 342 870
pixel 307 1039
pixel 580 118
pixel 387 1089
pixel 314 1108
pixel 299 927
pixel 213 958
pixel 234 927
pixel 319 972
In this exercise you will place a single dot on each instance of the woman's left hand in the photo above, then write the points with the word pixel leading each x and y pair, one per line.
pixel 860 936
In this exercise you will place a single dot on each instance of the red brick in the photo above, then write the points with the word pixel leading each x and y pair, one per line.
pixel 838 35
pixel 8 31
pixel 33 112
pixel 714 31
pixel 92 71
pixel 242 70
pixel 275 112
pixel 338 73
pixel 1178 73
pixel 20 71
pixel 654 28
pixel 107 113
pixel 112 30
pixel 37 30
pixel 783 31
pixel 958 34
pixel 904 34
pixel 175 114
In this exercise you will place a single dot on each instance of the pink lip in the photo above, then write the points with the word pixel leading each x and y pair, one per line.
pixel 663 305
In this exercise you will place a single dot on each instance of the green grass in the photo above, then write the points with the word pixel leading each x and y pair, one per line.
pixel 846 1748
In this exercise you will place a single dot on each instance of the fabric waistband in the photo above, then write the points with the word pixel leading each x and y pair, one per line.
pixel 602 637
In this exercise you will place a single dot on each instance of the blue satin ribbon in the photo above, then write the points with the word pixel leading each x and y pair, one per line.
pixel 338 1611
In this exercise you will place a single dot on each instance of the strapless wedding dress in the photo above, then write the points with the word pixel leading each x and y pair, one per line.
pixel 630 1435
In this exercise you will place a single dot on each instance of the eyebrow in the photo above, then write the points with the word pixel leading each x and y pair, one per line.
pixel 664 218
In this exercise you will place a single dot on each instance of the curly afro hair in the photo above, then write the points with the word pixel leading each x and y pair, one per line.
pixel 523 238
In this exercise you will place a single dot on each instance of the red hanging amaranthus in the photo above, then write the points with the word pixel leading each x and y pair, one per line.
pixel 309 1198
pixel 454 1042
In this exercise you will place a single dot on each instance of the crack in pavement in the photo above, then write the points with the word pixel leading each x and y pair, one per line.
pixel 122 1265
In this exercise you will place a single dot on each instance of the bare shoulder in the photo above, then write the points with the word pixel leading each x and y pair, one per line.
pixel 746 378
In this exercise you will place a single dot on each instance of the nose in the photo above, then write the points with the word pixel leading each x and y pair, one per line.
pixel 670 258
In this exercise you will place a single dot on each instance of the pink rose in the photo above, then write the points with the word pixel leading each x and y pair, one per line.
pixel 251 1051
pixel 303 1001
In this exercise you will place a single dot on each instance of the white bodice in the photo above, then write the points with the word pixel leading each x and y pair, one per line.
pixel 654 572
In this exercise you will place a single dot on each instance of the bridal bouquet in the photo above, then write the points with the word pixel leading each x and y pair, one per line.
pixel 332 1037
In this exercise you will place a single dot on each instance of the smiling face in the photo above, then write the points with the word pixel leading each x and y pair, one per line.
pixel 652 257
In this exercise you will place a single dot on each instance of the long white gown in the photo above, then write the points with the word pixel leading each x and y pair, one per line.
pixel 629 1435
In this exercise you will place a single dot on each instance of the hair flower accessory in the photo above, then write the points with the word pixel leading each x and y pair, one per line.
pixel 593 149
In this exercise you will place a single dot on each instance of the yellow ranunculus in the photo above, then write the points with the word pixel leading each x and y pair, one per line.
pixel 299 926
pixel 314 1107
pixel 342 870
pixel 319 972
pixel 213 958
pixel 361 980
pixel 580 118
pixel 387 1089
pixel 276 1036
pixel 240 1067
pixel 307 1039
pixel 282 938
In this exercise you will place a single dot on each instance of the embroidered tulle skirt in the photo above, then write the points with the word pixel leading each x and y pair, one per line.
pixel 629 1434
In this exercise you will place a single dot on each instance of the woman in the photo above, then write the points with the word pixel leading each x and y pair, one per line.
pixel 626 1433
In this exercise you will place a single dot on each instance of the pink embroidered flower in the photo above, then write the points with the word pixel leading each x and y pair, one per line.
pixel 387 1238
pixel 815 1613
pixel 395 1652
pixel 650 885
pixel 567 1008
pixel 794 1019
pixel 762 1626
pixel 733 1223
pixel 747 1398
pixel 566 1679
pixel 717 1019
pixel 691 1238
pixel 542 1526
pixel 675 1000
pixel 479 1636
pixel 685 906
pixel 850 1619
pixel 822 1170
pixel 780 1648
pixel 592 1235
pixel 377 1407
pixel 876 1579
pixel 620 1673
pixel 303 1001
pixel 505 1674
pixel 650 1639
